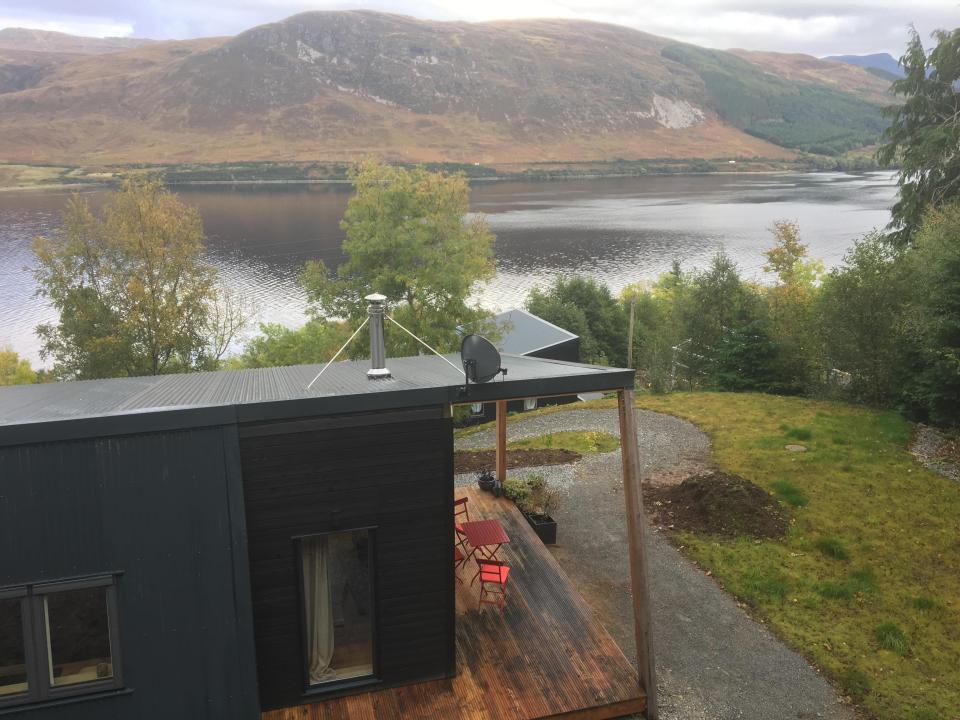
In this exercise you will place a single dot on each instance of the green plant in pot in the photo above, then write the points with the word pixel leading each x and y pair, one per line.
pixel 486 480
pixel 537 501
pixel 517 491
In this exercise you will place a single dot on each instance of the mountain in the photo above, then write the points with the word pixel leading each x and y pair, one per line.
pixel 22 69
pixel 28 56
pixel 58 42
pixel 886 65
pixel 336 86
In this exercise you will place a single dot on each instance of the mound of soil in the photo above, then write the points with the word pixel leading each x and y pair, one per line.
pixel 716 503
pixel 465 461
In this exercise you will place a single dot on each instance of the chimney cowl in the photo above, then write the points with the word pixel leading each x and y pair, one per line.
pixel 378 353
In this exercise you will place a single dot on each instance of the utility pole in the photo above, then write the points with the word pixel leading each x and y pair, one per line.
pixel 633 308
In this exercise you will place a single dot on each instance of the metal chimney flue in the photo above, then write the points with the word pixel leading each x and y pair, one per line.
pixel 378 352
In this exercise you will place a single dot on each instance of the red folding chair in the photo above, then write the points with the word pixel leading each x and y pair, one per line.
pixel 460 551
pixel 458 561
pixel 461 513
pixel 493 582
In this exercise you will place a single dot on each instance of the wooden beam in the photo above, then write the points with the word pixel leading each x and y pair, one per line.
pixel 501 453
pixel 636 529
pixel 604 391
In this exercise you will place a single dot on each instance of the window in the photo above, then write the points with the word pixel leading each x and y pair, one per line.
pixel 337 603
pixel 13 658
pixel 476 408
pixel 58 639
pixel 530 403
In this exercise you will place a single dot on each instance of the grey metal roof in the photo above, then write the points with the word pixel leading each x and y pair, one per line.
pixel 522 333
pixel 91 407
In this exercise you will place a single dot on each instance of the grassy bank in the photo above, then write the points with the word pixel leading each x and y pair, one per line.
pixel 31 176
pixel 867 581
pixel 266 173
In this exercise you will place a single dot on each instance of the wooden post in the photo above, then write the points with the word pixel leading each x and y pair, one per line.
pixel 501 453
pixel 636 526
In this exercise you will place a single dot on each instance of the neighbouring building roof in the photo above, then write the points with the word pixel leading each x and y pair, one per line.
pixel 522 333
pixel 37 413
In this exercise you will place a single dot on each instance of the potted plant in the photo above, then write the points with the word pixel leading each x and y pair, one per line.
pixel 486 480
pixel 538 508
pixel 537 501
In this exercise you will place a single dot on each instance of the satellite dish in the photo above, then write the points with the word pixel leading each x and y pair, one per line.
pixel 481 360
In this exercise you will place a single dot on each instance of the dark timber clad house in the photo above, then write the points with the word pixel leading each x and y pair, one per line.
pixel 519 332
pixel 168 544
pixel 523 333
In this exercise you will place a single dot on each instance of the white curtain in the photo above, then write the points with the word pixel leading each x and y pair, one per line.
pixel 319 607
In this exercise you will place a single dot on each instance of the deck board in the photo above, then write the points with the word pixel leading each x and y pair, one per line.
pixel 545 656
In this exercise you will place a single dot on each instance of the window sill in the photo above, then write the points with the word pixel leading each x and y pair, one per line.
pixel 44 704
pixel 329 690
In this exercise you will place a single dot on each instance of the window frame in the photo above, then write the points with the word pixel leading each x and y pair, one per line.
pixel 36 645
pixel 26 631
pixel 334 686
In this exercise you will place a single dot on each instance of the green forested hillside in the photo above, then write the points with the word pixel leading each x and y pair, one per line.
pixel 813 118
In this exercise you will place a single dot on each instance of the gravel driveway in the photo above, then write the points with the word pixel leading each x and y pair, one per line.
pixel 713 661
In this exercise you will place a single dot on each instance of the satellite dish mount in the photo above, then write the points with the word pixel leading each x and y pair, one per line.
pixel 481 361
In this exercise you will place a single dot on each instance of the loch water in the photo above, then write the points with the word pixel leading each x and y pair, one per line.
pixel 619 230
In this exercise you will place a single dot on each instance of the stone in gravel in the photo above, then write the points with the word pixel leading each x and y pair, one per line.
pixel 795 448
pixel 933 448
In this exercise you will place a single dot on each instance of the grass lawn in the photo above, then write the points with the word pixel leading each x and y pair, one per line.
pixel 17 176
pixel 867 581
pixel 583 442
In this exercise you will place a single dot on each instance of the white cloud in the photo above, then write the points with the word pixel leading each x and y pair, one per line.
pixel 812 26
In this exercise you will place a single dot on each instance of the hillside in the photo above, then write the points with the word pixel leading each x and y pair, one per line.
pixel 339 85
pixel 750 94
pixel 57 42
pixel 883 63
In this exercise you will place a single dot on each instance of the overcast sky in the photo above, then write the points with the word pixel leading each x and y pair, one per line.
pixel 817 27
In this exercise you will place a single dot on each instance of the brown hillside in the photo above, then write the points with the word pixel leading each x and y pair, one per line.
pixel 22 69
pixel 58 42
pixel 342 85
pixel 806 68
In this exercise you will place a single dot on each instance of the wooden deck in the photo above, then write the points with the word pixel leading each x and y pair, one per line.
pixel 545 656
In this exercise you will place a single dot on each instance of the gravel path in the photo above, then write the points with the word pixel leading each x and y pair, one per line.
pixel 671 448
pixel 713 661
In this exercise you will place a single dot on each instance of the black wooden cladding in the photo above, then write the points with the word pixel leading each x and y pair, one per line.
pixel 165 512
pixel 396 477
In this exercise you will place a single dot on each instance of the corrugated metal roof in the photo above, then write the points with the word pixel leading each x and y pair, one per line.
pixel 271 393
pixel 522 332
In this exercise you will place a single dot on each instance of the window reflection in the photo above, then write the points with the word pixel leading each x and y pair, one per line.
pixel 337 606
pixel 78 636
pixel 13 668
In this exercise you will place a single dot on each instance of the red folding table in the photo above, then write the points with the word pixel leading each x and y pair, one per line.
pixel 485 537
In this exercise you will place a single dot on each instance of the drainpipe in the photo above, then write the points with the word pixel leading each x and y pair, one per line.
pixel 378 353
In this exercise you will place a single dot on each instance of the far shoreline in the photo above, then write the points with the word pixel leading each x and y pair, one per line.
pixel 17 177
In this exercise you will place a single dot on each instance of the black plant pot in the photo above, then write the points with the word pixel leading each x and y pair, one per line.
pixel 487 483
pixel 544 526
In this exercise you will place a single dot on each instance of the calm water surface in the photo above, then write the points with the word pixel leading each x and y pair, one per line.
pixel 618 230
